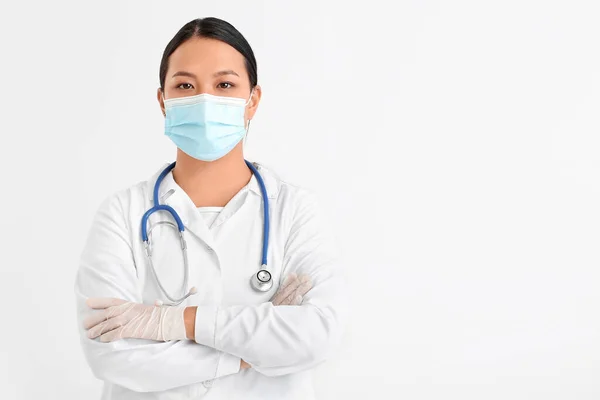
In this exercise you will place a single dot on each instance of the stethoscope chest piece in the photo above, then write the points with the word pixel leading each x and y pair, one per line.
pixel 262 280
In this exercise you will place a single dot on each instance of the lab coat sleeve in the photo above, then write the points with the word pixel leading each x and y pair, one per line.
pixel 279 340
pixel 107 269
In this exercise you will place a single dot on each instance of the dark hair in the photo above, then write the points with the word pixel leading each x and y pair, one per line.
pixel 212 28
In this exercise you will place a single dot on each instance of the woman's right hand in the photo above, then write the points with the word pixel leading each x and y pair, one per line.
pixel 292 291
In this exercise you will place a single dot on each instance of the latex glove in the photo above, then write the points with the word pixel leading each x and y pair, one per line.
pixel 292 291
pixel 120 319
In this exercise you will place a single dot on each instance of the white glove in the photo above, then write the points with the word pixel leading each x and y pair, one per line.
pixel 120 319
pixel 292 291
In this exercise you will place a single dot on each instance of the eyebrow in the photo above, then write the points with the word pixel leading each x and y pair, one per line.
pixel 220 73
pixel 183 73
pixel 226 72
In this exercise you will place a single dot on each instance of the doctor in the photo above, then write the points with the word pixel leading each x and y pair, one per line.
pixel 214 278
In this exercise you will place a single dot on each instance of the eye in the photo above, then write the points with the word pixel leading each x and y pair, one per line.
pixel 185 86
pixel 225 85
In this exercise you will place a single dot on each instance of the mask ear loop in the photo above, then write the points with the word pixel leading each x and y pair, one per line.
pixel 248 124
pixel 249 98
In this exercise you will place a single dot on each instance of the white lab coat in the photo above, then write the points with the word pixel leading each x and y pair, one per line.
pixel 233 322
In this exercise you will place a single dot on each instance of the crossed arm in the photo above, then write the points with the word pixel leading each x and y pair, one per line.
pixel 299 336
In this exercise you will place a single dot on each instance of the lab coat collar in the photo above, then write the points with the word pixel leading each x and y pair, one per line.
pixel 170 193
pixel 272 183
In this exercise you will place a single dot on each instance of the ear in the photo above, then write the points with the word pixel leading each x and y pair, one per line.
pixel 253 104
pixel 161 102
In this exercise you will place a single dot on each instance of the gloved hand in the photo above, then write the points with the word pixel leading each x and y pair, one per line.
pixel 120 319
pixel 292 291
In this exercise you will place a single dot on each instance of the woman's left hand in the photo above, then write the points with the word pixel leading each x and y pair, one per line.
pixel 120 319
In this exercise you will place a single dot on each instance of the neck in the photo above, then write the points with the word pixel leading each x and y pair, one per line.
pixel 211 184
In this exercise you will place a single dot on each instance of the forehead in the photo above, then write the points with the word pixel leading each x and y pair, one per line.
pixel 202 55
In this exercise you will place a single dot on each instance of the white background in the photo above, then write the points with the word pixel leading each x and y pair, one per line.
pixel 455 145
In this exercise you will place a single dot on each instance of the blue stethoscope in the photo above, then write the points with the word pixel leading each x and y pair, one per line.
pixel 261 281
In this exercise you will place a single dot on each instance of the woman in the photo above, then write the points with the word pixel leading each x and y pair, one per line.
pixel 168 315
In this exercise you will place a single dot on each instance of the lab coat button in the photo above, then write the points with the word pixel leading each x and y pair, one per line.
pixel 207 383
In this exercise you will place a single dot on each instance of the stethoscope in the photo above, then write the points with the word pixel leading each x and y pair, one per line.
pixel 261 281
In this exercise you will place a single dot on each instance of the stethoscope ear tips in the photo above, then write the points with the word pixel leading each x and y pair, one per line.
pixel 193 291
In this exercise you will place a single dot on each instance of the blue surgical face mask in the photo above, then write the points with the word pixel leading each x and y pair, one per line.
pixel 205 127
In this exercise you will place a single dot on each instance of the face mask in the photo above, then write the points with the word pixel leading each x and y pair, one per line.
pixel 205 127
